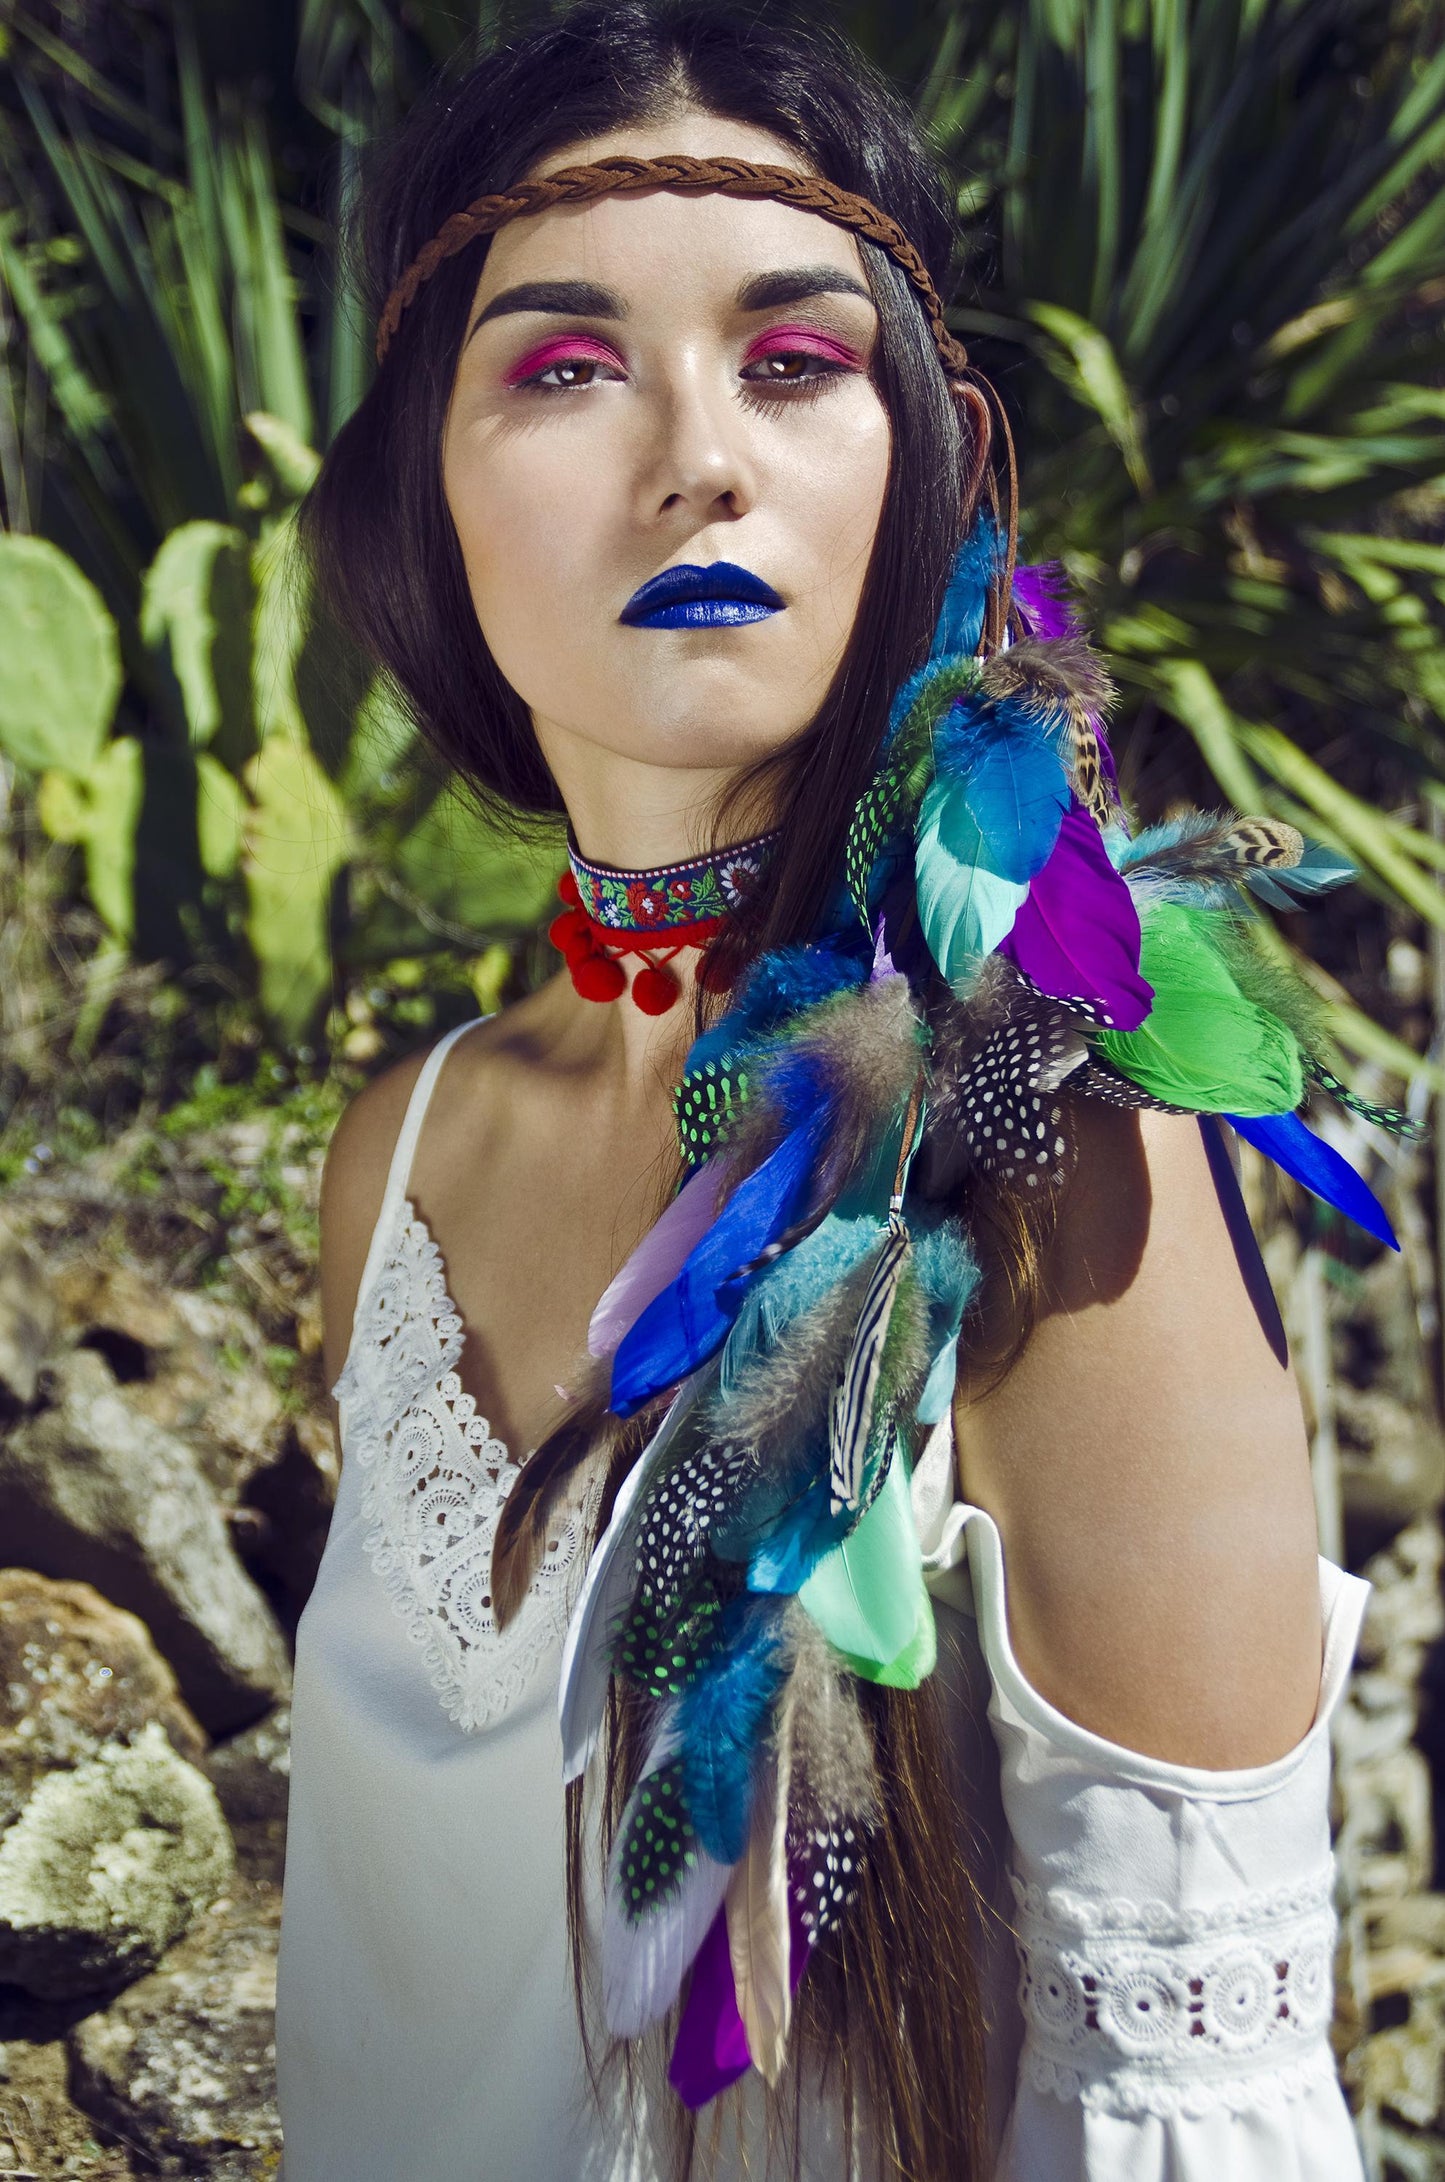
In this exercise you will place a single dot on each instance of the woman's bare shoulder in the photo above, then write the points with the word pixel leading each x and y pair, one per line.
pixel 353 1188
pixel 353 1184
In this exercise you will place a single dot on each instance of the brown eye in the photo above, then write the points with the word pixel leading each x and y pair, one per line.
pixel 787 366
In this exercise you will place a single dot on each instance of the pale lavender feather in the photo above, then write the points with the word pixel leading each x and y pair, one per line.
pixel 1076 937
pixel 658 1258
pixel 606 1591
pixel 644 1963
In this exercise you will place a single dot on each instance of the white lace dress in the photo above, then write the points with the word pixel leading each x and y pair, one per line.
pixel 1157 1981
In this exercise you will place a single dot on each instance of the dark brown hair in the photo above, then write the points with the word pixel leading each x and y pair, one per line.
pixel 890 2009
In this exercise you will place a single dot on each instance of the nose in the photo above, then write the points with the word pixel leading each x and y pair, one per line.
pixel 698 462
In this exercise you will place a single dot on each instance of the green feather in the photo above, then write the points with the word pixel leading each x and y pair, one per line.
pixel 658 1847
pixel 1204 1045
pixel 917 1659
pixel 864 1594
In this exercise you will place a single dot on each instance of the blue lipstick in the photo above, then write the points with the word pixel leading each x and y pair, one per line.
pixel 716 597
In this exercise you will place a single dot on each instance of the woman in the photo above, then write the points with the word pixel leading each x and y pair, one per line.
pixel 674 506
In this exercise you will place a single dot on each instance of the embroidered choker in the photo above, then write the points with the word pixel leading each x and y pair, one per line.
pixel 610 914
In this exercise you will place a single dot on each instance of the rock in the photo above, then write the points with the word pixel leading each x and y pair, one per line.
pixel 91 1490
pixel 1417 1921
pixel 1405 1611
pixel 75 1672
pixel 183 2064
pixel 191 1363
pixel 1403 2068
pixel 1378 1716
pixel 42 2131
pixel 1392 1457
pixel 287 1512
pixel 1386 1837
pixel 29 1323
pixel 252 1776
pixel 106 1866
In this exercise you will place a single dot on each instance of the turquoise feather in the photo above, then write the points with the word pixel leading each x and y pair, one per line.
pixel 965 906
pixel 864 1594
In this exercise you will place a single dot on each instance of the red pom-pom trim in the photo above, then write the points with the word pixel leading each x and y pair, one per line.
pixel 599 978
pixel 567 888
pixel 655 990
pixel 571 933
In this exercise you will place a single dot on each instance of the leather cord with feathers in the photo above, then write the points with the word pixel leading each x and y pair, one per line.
pixel 787 1334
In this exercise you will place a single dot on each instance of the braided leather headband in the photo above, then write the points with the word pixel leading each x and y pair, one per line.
pixel 688 177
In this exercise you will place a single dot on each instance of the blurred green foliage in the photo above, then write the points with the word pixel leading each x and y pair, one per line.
pixel 1206 267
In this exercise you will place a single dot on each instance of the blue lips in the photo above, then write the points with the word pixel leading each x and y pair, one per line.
pixel 716 597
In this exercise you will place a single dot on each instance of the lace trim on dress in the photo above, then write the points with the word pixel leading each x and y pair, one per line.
pixel 1148 2008
pixel 434 1480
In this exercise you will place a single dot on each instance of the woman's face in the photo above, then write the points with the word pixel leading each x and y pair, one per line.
pixel 654 384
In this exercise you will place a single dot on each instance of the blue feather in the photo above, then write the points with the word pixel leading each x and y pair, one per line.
pixel 960 621
pixel 1285 1139
pixel 1018 793
pixel 721 1719
pixel 938 1387
pixel 777 987
pixel 791 1285
pixel 689 1321
pixel 1291 886
pixel 782 1562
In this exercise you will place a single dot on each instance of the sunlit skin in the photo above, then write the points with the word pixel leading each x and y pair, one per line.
pixel 1146 1461
pixel 722 412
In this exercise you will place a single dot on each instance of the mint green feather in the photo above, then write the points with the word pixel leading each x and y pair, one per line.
pixel 864 1594
pixel 1204 1043
pixel 964 906
pixel 918 1657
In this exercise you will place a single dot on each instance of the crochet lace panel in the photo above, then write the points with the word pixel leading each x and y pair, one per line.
pixel 434 1478
pixel 1138 2007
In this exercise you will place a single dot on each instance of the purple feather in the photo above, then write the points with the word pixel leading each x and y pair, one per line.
pixel 711 2049
pixel 658 1258
pixel 1076 937
pixel 1041 595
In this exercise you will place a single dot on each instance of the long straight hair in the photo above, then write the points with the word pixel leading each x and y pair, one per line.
pixel 890 2009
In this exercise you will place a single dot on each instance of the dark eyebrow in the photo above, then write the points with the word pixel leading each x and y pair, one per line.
pixel 765 291
pixel 569 298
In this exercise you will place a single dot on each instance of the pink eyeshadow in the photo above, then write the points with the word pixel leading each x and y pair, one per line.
pixel 805 339
pixel 563 348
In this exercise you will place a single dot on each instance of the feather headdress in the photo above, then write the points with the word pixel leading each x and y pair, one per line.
pixel 999 934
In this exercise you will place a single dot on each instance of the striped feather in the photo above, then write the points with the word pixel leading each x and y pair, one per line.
pixel 850 1418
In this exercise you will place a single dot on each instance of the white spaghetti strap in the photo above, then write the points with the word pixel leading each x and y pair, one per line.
pixel 398 1177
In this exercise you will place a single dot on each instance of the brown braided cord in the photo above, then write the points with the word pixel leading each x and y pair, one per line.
pixel 625 176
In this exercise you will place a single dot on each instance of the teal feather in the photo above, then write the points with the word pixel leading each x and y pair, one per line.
pixel 1318 871
pixel 1018 793
pixel 965 906
pixel 960 620
pixel 721 1720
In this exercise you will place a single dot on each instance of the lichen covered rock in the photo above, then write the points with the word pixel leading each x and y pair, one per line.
pixel 75 1673
pixel 107 1866
pixel 182 2066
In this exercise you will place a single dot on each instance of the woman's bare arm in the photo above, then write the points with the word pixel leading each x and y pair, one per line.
pixel 1146 1463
